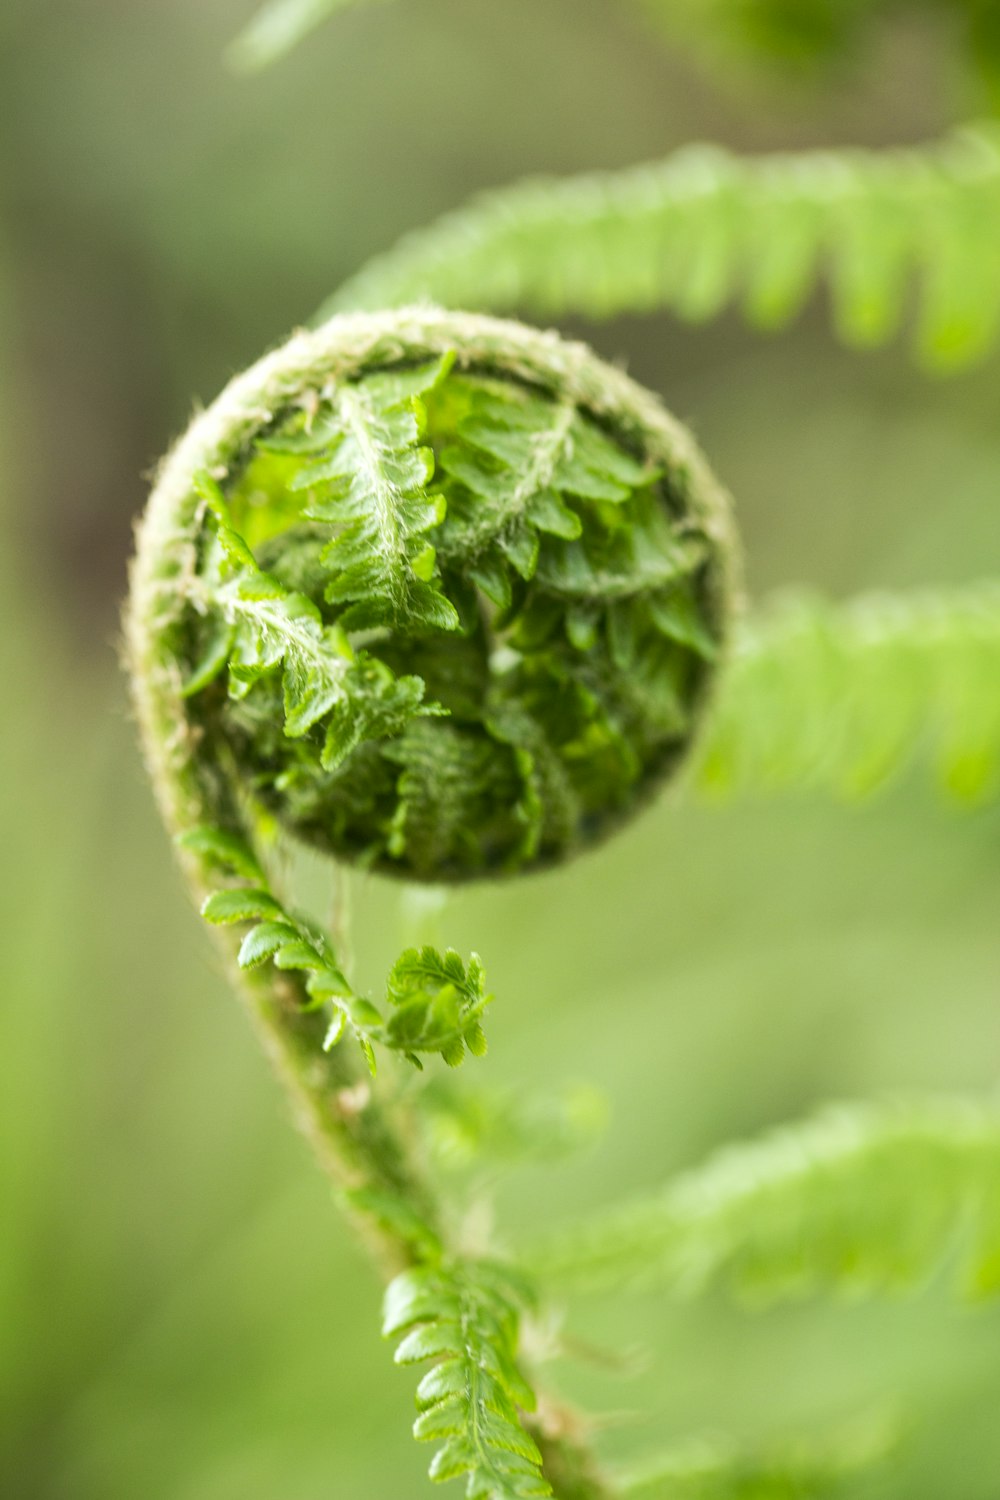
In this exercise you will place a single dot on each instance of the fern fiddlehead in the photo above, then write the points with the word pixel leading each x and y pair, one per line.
pixel 441 596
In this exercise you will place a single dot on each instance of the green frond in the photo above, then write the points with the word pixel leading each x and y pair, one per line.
pixel 706 228
pixel 863 1199
pixel 277 28
pixel 845 697
pixel 465 1317
pixel 436 1002
pixel 260 628
pixel 366 475
pixel 717 1469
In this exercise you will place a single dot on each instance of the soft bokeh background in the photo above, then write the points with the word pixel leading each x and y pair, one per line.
pixel 182 1313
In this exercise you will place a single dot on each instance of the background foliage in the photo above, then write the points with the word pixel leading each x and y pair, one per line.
pixel 181 1312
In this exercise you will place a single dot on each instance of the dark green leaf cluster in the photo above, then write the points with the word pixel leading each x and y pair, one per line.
pixel 810 34
pixel 865 1199
pixel 466 627
pixel 706 228
pixel 465 1317
pixel 435 1002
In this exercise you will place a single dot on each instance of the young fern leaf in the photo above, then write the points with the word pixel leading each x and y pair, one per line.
pixel 519 461
pixel 437 1002
pixel 266 626
pixel 861 1200
pixel 367 474
pixel 846 697
pixel 706 228
pixel 466 1317
pixel 486 609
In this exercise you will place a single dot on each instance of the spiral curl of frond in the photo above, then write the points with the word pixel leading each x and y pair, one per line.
pixel 443 596
pixel 446 594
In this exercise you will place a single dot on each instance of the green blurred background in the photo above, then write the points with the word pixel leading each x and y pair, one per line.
pixel 182 1313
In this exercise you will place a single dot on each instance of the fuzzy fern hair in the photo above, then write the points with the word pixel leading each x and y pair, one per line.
pixel 445 597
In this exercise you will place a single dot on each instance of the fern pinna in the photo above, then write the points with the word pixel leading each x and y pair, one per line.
pixel 444 597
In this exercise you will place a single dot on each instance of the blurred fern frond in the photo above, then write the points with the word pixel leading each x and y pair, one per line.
pixel 713 1468
pixel 435 1001
pixel 706 228
pixel 862 1199
pixel 844 697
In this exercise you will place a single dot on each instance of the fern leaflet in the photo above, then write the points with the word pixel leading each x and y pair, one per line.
pixel 466 1317
pixel 367 474
pixel 706 227
pixel 263 626
pixel 436 1003
pixel 845 697
pixel 863 1199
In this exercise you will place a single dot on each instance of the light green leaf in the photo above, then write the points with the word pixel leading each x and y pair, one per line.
pixel 240 904
pixel 466 1316
pixel 863 1199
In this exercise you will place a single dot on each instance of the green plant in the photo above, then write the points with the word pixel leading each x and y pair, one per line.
pixel 445 597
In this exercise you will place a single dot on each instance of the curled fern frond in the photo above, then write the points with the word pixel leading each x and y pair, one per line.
pixel 465 1318
pixel 443 596
pixel 707 228
pixel 845 697
pixel 436 1003
pixel 864 1199
pixel 452 594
